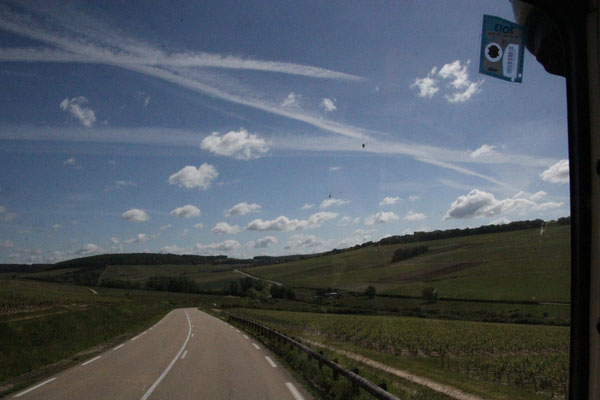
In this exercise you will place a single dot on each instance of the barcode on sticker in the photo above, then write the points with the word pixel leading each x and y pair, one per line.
pixel 509 60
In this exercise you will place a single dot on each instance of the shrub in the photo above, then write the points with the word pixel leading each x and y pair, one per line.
pixel 429 295
pixel 404 253
pixel 370 292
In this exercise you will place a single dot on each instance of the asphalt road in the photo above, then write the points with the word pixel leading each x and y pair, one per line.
pixel 186 355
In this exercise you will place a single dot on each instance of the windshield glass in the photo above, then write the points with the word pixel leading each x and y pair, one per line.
pixel 338 159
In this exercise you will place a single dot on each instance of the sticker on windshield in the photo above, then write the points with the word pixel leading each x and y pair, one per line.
pixel 502 49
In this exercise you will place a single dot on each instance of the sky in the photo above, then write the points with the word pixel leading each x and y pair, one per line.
pixel 263 128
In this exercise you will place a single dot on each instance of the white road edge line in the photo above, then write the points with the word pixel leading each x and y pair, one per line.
pixel 256 346
pixel 237 330
pixel 271 363
pixel 35 387
pixel 119 346
pixel 166 371
pixel 294 391
pixel 91 361
pixel 245 336
pixel 184 354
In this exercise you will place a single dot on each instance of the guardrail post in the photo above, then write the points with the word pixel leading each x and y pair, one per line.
pixel 335 373
pixel 354 383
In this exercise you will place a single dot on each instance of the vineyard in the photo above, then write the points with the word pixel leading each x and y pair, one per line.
pixel 532 358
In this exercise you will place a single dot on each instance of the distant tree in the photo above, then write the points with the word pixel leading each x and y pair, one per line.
pixel 404 253
pixel 246 283
pixel 370 292
pixel 259 285
pixel 290 294
pixel 429 295
pixel 234 288
pixel 282 292
pixel 251 293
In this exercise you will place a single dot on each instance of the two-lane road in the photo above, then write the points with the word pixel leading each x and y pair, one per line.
pixel 187 355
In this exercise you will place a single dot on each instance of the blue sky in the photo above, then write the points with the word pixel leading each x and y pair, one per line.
pixel 238 127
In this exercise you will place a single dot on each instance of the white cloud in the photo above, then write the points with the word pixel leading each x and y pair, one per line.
pixel 123 184
pixel 242 208
pixel 165 227
pixel 483 151
pixel 283 223
pixel 480 204
pixel 359 238
pixel 303 241
pixel 335 168
pixel 413 216
pixel 145 97
pixel 187 211
pixel 291 100
pixel 457 72
pixel 388 201
pixel 87 249
pixel 199 226
pixel 173 249
pixel 461 97
pixel 500 221
pixel 381 218
pixel 538 195
pixel 262 243
pixel 7 244
pixel 240 145
pixel 140 238
pixel 56 227
pixel 333 202
pixel 78 108
pixel 226 246
pixel 135 215
pixel 307 206
pixel 459 77
pixel 328 105
pixel 461 86
pixel 346 220
pixel 427 85
pixel 191 177
pixel 414 197
pixel 71 162
pixel 557 173
pixel 6 216
pixel 223 228
pixel 115 240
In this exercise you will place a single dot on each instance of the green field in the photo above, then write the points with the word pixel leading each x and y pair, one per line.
pixel 47 326
pixel 520 265
pixel 500 361
pixel 207 276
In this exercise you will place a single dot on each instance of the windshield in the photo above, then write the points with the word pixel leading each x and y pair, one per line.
pixel 323 159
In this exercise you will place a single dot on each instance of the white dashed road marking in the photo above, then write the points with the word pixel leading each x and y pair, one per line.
pixel 91 361
pixel 166 371
pixel 184 354
pixel 271 363
pixel 119 346
pixel 246 337
pixel 255 345
pixel 294 391
pixel 35 387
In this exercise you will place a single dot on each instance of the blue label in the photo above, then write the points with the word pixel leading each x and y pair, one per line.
pixel 502 49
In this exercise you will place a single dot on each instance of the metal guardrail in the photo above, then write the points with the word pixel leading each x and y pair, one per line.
pixel 353 377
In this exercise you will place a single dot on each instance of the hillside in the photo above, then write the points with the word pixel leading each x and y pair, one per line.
pixel 518 265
